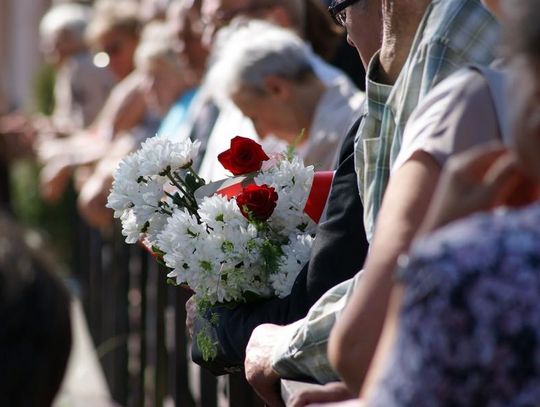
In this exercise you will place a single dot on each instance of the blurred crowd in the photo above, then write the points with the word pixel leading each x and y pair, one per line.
pixel 125 71
pixel 423 284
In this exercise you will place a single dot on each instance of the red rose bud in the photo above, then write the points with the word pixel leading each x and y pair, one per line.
pixel 257 201
pixel 244 156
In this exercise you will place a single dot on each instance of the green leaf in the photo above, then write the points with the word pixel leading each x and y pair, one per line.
pixel 271 254
pixel 291 148
pixel 302 227
pixel 207 346
pixel 192 182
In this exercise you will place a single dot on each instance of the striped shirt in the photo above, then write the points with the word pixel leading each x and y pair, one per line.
pixel 452 34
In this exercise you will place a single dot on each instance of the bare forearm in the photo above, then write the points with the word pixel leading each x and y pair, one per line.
pixel 355 336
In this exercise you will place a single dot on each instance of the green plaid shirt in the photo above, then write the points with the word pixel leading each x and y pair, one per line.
pixel 300 354
pixel 452 34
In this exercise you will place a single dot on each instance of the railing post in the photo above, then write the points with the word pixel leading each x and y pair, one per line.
pixel 181 392
pixel 241 394
pixel 160 378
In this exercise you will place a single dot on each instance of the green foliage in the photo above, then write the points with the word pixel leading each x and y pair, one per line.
pixel 291 148
pixel 44 90
pixel 206 345
pixel 55 221
pixel 271 254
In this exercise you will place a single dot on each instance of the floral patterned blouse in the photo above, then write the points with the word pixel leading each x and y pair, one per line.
pixel 469 330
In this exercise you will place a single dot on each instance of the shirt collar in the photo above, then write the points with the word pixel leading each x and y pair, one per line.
pixel 376 93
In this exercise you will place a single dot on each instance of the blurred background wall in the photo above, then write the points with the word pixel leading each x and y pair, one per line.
pixel 19 50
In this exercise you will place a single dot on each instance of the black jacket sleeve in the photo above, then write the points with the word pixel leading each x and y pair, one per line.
pixel 338 253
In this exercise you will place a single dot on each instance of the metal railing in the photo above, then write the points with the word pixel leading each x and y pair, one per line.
pixel 137 322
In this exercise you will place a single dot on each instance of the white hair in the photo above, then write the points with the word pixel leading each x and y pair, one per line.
pixel 249 51
pixel 70 17
pixel 156 42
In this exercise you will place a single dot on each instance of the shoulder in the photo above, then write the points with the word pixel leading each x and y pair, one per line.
pixel 457 20
pixel 449 118
pixel 466 89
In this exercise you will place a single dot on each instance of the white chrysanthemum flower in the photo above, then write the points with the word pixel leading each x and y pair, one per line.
pixel 292 182
pixel 217 211
pixel 160 153
pixel 130 229
pixel 296 255
pixel 180 227
pixel 125 187
pixel 156 225
pixel 146 202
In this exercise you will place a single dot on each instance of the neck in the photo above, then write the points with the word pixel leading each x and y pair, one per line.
pixel 400 23
pixel 307 100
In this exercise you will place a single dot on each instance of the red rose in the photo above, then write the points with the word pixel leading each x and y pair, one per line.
pixel 244 156
pixel 257 201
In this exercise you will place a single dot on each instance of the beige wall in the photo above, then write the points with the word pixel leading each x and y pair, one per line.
pixel 19 47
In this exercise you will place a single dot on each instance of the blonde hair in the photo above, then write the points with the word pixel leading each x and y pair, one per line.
pixel 70 17
pixel 113 15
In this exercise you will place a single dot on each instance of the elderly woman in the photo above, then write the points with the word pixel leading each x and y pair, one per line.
pixel 267 72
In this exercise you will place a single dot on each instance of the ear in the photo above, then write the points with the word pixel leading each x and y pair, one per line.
pixel 278 87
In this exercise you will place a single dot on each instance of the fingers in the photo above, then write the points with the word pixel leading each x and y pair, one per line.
pixel 332 392
pixel 348 403
pixel 191 309
pixel 502 178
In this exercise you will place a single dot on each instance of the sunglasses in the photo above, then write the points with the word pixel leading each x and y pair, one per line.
pixel 337 10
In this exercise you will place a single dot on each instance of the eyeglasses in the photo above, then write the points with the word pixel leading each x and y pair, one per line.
pixel 337 10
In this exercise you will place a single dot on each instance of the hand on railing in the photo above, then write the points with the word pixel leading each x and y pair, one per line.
pixel 328 395
pixel 258 364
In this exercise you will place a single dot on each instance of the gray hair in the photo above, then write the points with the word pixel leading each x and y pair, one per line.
pixel 247 52
pixel 69 17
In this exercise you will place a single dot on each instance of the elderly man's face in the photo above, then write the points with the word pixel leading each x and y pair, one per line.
pixel 270 114
pixel 363 23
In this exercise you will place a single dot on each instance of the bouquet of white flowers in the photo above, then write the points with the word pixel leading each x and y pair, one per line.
pixel 248 240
